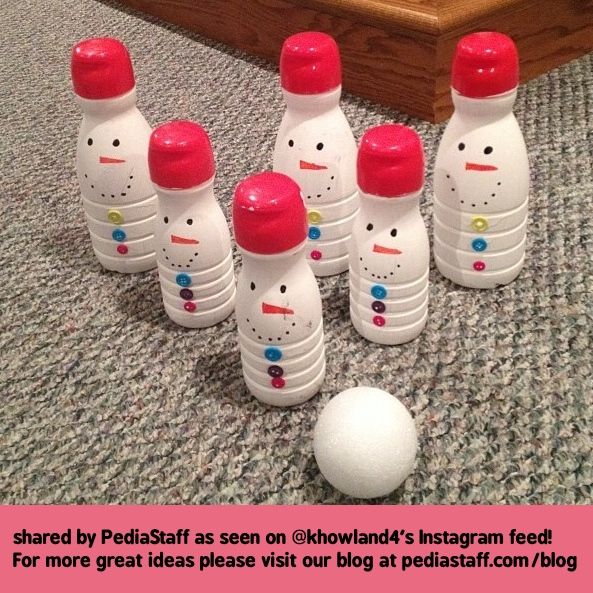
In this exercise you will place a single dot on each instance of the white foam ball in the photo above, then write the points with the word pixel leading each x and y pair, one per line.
pixel 365 442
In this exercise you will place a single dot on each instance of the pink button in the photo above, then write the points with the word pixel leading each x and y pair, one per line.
pixel 278 382
pixel 479 266
pixel 190 306
pixel 315 254
pixel 378 320
pixel 122 249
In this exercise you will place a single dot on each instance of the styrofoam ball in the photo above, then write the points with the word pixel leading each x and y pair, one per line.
pixel 365 442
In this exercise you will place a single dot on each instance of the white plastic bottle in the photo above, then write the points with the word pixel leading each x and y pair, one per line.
pixel 278 302
pixel 481 182
pixel 192 236
pixel 389 252
pixel 117 196
pixel 316 148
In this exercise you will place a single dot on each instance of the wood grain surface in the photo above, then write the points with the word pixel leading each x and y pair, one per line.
pixel 395 52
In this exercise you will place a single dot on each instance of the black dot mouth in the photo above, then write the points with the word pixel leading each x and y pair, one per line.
pixel 268 338
pixel 122 194
pixel 380 276
pixel 328 189
pixel 176 265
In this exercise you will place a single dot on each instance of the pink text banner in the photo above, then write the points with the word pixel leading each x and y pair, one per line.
pixel 266 548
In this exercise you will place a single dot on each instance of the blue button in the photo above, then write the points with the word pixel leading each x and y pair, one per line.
pixel 314 233
pixel 273 354
pixel 479 244
pixel 183 280
pixel 118 235
pixel 378 291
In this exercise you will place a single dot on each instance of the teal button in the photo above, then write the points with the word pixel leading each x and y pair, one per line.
pixel 273 354
pixel 378 291
pixel 314 233
pixel 479 244
pixel 119 235
pixel 183 280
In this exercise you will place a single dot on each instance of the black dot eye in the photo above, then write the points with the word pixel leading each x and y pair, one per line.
pixel 90 141
pixel 283 288
pixel 252 286
pixel 189 221
pixel 461 146
pixel 291 143
pixel 320 146
pixel 369 226
pixel 394 232
pixel 166 219
pixel 488 149
pixel 116 142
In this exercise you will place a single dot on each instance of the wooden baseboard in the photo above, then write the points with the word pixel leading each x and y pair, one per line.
pixel 395 52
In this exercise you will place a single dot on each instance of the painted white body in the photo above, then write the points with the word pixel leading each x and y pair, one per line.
pixel 365 442
pixel 330 194
pixel 480 217
pixel 386 288
pixel 293 342
pixel 118 198
pixel 194 256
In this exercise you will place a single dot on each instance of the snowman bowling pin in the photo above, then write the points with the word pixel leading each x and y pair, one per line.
pixel 278 302
pixel 389 252
pixel 482 173
pixel 316 148
pixel 192 236
pixel 118 199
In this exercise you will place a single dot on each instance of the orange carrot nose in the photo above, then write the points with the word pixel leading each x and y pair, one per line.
pixel 107 160
pixel 386 250
pixel 183 240
pixel 478 167
pixel 311 166
pixel 273 309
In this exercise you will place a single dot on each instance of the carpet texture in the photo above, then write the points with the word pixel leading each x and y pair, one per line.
pixel 104 400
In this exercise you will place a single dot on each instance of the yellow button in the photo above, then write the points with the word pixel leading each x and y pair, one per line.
pixel 315 217
pixel 115 216
pixel 479 224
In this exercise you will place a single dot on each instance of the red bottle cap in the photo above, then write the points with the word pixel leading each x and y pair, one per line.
pixel 268 214
pixel 310 64
pixel 180 155
pixel 101 69
pixel 390 161
pixel 485 64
